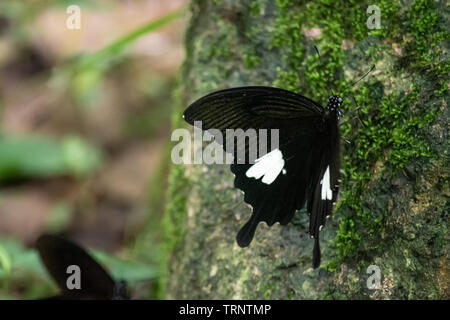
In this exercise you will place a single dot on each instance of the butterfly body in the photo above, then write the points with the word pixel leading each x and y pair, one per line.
pixel 302 169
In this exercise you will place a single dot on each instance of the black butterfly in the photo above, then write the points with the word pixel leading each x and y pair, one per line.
pixel 58 254
pixel 305 167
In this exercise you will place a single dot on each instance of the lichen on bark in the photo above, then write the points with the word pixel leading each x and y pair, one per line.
pixel 393 208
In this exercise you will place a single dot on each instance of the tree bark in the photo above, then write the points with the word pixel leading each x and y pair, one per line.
pixel 394 201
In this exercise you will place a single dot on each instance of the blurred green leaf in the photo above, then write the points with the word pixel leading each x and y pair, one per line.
pixel 83 74
pixel 20 259
pixel 40 157
pixel 91 4
pixel 59 218
pixel 119 45
pixel 124 270
pixel 5 267
pixel 25 269
pixel 79 156
pixel 5 261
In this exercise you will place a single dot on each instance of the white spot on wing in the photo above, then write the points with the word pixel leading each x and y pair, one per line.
pixel 268 167
pixel 326 191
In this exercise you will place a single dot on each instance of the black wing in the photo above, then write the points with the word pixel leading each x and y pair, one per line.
pixel 255 107
pixel 305 138
pixel 250 107
pixel 58 254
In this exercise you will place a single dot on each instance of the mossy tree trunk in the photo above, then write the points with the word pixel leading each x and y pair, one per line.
pixel 394 200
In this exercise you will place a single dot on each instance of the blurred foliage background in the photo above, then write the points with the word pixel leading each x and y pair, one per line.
pixel 84 126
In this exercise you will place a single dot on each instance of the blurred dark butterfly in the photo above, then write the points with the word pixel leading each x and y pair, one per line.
pixel 304 169
pixel 60 255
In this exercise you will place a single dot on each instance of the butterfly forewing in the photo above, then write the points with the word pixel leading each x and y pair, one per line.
pixel 58 254
pixel 255 108
pixel 249 107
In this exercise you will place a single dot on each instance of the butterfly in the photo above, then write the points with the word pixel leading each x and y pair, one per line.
pixel 303 170
pixel 59 255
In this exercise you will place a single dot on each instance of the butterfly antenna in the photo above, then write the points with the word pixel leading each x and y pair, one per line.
pixel 358 116
pixel 317 51
pixel 357 109
pixel 371 69
pixel 354 83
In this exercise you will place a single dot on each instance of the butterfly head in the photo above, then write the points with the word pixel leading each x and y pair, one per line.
pixel 334 104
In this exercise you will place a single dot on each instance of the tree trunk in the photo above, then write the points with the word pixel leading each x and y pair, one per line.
pixel 393 206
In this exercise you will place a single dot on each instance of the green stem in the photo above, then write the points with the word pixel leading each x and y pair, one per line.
pixel 123 42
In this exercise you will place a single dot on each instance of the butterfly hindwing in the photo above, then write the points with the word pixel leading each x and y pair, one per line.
pixel 278 201
pixel 325 188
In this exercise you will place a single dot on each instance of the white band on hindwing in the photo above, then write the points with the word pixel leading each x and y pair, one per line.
pixel 326 194
pixel 268 166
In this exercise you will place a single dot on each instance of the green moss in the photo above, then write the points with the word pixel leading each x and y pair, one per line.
pixel 427 36
pixel 255 9
pixel 172 222
pixel 251 61
pixel 347 238
pixel 213 45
